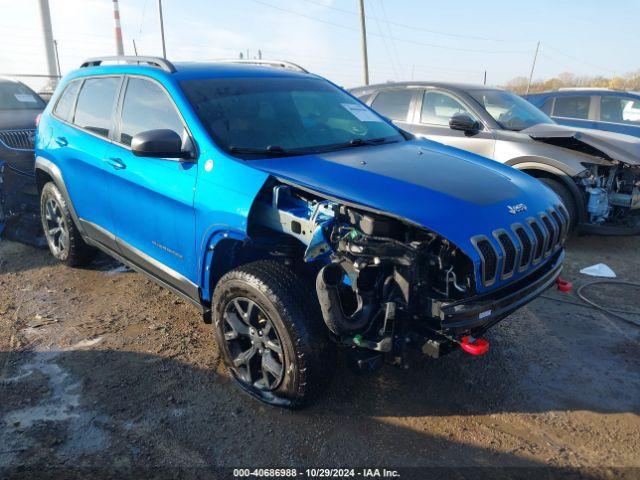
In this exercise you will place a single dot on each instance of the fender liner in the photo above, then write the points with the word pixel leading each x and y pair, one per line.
pixel 556 170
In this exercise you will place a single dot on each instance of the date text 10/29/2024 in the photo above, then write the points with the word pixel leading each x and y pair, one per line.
pixel 315 473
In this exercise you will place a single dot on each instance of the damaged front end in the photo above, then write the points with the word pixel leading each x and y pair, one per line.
pixel 612 197
pixel 386 286
pixel 610 183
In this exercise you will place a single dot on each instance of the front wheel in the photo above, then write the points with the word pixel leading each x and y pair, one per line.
pixel 63 237
pixel 270 334
pixel 566 197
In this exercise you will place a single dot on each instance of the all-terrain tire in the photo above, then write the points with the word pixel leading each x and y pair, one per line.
pixel 566 197
pixel 66 244
pixel 308 356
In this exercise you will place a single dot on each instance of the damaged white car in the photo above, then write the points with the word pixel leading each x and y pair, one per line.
pixel 596 173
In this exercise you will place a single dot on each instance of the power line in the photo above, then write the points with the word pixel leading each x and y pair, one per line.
pixel 393 42
pixel 384 42
pixel 415 27
pixel 575 59
pixel 415 42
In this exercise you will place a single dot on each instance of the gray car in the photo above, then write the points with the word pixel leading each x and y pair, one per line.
pixel 595 173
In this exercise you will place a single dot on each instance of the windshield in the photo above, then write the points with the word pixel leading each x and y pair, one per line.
pixel 251 117
pixel 15 96
pixel 509 110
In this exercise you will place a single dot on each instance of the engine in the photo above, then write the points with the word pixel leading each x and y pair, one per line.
pixel 613 192
pixel 370 269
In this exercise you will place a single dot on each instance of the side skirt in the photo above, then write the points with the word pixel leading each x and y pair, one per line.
pixel 138 261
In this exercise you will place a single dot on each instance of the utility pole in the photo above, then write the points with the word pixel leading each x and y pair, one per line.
pixel 164 47
pixel 365 59
pixel 485 77
pixel 55 46
pixel 533 66
pixel 118 30
pixel 135 48
pixel 49 48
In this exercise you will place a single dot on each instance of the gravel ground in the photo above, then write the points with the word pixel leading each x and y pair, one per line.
pixel 100 368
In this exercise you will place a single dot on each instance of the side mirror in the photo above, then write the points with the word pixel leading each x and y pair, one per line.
pixel 160 143
pixel 462 121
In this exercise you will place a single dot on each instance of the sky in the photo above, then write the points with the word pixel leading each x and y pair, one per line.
pixel 408 39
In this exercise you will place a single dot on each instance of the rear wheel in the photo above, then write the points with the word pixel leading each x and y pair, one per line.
pixel 566 197
pixel 270 334
pixel 63 237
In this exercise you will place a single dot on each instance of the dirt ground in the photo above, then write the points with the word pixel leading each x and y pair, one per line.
pixel 100 368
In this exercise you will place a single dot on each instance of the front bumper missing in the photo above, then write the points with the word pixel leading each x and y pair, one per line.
pixel 476 315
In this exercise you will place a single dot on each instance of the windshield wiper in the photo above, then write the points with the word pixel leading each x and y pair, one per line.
pixel 359 142
pixel 270 151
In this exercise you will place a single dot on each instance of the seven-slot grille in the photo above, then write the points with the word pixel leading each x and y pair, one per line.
pixel 18 139
pixel 526 244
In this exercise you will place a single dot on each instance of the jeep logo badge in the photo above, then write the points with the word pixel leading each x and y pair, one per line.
pixel 513 209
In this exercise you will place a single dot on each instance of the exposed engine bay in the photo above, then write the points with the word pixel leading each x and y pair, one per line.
pixel 612 194
pixel 611 182
pixel 381 283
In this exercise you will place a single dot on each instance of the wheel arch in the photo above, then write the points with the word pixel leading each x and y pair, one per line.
pixel 47 171
pixel 546 168
pixel 222 253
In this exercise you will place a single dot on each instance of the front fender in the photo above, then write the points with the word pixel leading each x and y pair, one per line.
pixel 211 250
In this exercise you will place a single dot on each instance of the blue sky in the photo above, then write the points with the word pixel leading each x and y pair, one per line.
pixel 428 39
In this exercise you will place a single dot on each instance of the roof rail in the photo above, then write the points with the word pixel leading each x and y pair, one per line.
pixel 158 62
pixel 578 89
pixel 269 63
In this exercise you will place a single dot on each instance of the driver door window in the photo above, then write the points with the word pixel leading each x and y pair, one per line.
pixel 147 107
pixel 439 107
pixel 435 112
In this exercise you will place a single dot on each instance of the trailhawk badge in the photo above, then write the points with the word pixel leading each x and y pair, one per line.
pixel 513 209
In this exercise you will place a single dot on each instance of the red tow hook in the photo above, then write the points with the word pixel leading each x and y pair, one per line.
pixel 474 346
pixel 564 285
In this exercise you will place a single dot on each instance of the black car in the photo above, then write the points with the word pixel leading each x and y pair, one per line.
pixel 19 108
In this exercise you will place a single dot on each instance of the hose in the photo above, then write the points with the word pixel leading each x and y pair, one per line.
pixel 614 312
pixel 610 311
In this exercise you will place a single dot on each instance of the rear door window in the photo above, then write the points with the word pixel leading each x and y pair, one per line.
pixel 95 104
pixel 147 107
pixel 64 107
pixel 393 104
pixel 573 106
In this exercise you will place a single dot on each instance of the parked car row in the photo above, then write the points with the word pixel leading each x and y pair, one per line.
pixel 296 218
pixel 596 173
pixel 301 221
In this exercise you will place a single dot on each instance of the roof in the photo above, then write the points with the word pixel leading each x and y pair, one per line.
pixel 585 90
pixel 446 85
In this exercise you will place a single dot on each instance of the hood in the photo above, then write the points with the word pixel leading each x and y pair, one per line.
pixel 452 192
pixel 610 145
pixel 18 119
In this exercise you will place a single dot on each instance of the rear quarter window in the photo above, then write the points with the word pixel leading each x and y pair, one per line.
pixel 64 107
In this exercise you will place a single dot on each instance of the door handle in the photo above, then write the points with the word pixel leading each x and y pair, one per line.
pixel 62 141
pixel 116 163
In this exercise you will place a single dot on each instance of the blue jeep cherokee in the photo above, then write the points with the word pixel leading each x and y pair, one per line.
pixel 297 219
